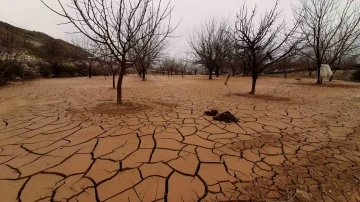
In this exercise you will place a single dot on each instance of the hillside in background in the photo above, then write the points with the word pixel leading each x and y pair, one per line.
pixel 35 42
pixel 28 54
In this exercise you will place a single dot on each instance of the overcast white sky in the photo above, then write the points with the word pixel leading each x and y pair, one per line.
pixel 33 15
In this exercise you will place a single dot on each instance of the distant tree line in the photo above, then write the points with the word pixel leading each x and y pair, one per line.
pixel 323 32
pixel 119 36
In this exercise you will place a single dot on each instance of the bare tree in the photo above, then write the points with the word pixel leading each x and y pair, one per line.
pixel 286 65
pixel 54 55
pixel 182 66
pixel 235 61
pixel 150 51
pixel 345 63
pixel 195 69
pixel 161 68
pixel 169 64
pixel 303 63
pixel 265 44
pixel 329 27
pixel 107 60
pixel 113 66
pixel 223 51
pixel 209 45
pixel 84 51
pixel 310 64
pixel 120 25
pixel 231 66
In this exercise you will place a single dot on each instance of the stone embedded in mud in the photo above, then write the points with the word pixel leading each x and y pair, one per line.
pixel 226 117
pixel 213 112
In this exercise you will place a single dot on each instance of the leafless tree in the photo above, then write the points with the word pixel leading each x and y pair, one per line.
pixel 161 68
pixel 329 27
pixel 235 61
pixel 113 66
pixel 84 51
pixel 286 65
pixel 345 63
pixel 209 45
pixel 310 64
pixel 120 25
pixel 182 66
pixel 54 55
pixel 231 66
pixel 302 63
pixel 169 64
pixel 240 60
pixel 265 44
pixel 195 69
pixel 150 52
pixel 108 60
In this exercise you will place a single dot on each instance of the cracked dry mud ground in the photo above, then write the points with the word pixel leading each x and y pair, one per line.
pixel 61 140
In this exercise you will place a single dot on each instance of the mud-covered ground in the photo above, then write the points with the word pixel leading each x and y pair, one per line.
pixel 65 140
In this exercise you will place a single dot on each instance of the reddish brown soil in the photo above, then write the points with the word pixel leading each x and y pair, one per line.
pixel 65 140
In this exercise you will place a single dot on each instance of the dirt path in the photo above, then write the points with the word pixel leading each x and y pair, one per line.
pixel 63 140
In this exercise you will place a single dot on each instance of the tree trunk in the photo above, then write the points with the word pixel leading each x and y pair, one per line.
pixel 119 85
pixel 217 72
pixel 171 73
pixel 143 75
pixel 254 78
pixel 310 73
pixel 195 73
pixel 114 74
pixel 210 74
pixel 319 80
pixel 233 73
pixel 90 71
pixel 244 74
pixel 285 73
pixel 227 79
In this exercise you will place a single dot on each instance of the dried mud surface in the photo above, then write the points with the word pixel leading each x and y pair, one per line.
pixel 64 140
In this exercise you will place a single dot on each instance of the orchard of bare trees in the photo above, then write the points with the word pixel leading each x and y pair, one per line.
pixel 254 46
pixel 331 30
pixel 257 105
pixel 322 32
pixel 131 31
pixel 119 35
pixel 210 45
